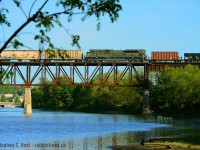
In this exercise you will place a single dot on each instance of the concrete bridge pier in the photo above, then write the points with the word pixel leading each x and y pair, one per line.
pixel 146 104
pixel 28 101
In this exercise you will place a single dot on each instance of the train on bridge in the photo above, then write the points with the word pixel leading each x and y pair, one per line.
pixel 97 55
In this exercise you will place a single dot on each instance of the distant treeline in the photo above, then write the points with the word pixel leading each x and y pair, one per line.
pixel 89 99
pixel 15 90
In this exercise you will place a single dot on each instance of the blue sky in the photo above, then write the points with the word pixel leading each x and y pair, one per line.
pixel 154 25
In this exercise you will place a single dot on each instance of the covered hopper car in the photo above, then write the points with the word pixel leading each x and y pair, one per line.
pixel 116 55
pixel 67 55
pixel 45 55
pixel 20 55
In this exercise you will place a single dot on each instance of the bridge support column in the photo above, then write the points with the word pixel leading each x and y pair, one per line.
pixel 146 105
pixel 28 101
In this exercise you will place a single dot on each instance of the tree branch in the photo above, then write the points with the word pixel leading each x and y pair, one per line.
pixel 3 32
pixel 87 8
pixel 26 33
pixel 23 12
pixel 41 7
pixel 14 34
pixel 22 26
pixel 31 8
pixel 60 13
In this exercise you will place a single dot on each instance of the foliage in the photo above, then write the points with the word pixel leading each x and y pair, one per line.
pixel 89 99
pixel 177 88
pixel 37 97
pixel 10 99
pixel 3 98
pixel 110 99
pixel 15 90
pixel 52 97
pixel 17 99
pixel 45 19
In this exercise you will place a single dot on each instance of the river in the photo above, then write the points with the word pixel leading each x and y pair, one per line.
pixel 83 131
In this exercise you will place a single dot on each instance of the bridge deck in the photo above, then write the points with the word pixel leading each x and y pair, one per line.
pixel 28 73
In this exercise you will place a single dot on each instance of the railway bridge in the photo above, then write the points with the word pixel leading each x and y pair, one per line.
pixel 80 74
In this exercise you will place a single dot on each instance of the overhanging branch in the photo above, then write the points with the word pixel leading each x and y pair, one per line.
pixel 22 26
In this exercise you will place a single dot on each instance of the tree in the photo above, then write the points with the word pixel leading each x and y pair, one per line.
pixel 45 19
pixel 177 88
pixel 17 99
pixel 10 99
pixel 3 98
pixel 37 101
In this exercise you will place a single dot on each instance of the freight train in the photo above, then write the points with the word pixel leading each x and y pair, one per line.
pixel 46 55
pixel 96 55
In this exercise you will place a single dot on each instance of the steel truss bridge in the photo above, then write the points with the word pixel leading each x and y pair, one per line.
pixel 65 74
pixel 37 73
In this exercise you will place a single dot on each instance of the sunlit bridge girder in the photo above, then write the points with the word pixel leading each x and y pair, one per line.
pixel 71 73
pixel 80 73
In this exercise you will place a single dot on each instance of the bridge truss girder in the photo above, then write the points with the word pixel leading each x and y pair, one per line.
pixel 161 66
pixel 11 72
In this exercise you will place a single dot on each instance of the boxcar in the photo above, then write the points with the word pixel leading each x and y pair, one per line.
pixel 62 55
pixel 20 55
pixel 116 55
pixel 192 57
pixel 165 56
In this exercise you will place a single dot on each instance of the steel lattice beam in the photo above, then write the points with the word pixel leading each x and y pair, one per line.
pixel 40 73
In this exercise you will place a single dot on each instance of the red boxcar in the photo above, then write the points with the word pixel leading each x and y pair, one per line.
pixel 164 56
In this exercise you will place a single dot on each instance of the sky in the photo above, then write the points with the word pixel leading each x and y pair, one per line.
pixel 153 25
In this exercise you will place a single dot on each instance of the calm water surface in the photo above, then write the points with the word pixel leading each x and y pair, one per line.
pixel 76 131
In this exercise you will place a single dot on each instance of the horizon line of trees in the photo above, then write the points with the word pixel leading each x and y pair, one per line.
pixel 89 99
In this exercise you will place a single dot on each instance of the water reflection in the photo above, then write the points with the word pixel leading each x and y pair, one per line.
pixel 81 131
pixel 95 143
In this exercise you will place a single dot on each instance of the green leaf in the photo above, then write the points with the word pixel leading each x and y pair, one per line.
pixel 16 44
pixel 3 18
pixel 17 2
pixel 75 40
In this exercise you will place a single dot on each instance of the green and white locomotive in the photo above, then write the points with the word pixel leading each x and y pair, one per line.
pixel 130 55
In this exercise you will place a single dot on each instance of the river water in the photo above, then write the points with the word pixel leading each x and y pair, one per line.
pixel 82 131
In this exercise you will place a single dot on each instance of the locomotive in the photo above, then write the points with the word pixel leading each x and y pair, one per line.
pixel 116 55
pixel 96 55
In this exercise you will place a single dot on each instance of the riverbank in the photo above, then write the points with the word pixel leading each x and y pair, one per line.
pixel 163 143
pixel 157 146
